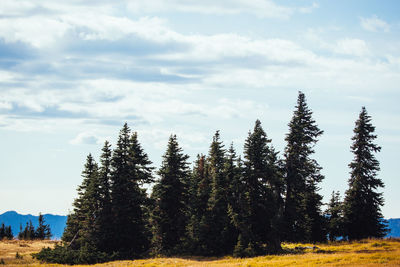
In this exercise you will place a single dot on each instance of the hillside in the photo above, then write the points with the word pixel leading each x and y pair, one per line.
pixel 56 222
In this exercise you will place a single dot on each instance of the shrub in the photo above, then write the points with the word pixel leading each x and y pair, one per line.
pixel 65 255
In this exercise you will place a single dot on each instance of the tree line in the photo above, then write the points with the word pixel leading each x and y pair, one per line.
pixel 43 231
pixel 30 233
pixel 6 232
pixel 224 204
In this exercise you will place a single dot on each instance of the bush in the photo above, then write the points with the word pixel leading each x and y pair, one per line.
pixel 65 255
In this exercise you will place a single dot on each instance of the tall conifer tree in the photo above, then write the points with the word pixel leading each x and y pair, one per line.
pixel 199 193
pixel 219 240
pixel 261 198
pixel 302 214
pixel 130 170
pixel 79 230
pixel 169 217
pixel 362 204
pixel 104 219
pixel 43 230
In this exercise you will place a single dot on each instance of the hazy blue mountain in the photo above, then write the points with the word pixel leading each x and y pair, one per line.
pixel 56 222
pixel 394 226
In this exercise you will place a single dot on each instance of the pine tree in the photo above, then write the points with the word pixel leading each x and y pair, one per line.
pixel 2 231
pixel 261 198
pixel 362 204
pixel 130 170
pixel 43 230
pixel 334 216
pixel 302 214
pixel 219 240
pixel 169 216
pixel 104 220
pixel 5 232
pixel 199 193
pixel 8 233
pixel 79 229
pixel 28 233
pixel 234 176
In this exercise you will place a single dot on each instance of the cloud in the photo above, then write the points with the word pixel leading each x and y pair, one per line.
pixel 355 47
pixel 374 24
pixel 85 138
pixel 5 105
pixel 260 8
pixel 99 67
pixel 309 9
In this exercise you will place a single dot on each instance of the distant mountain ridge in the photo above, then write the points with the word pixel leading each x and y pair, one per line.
pixel 15 220
pixel 394 226
pixel 57 223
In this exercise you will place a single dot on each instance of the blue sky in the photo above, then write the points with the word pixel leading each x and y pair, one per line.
pixel 72 73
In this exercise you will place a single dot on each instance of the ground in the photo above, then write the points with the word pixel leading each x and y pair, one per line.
pixel 371 252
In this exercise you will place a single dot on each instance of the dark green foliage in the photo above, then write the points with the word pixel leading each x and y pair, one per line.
pixel 224 206
pixel 334 217
pixel 28 233
pixel 67 255
pixel 109 217
pixel 169 217
pixel 362 204
pixel 130 169
pixel 260 205
pixel 104 218
pixel 80 228
pixel 199 193
pixel 217 225
pixel 43 230
pixel 303 220
pixel 6 232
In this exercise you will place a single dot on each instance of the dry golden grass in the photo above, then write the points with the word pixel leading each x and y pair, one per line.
pixel 9 249
pixel 363 253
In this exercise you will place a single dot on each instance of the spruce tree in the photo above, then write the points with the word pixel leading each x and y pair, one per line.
pixel 219 225
pixel 261 197
pixel 234 176
pixel 43 230
pixel 80 232
pixel 169 217
pixel 334 217
pixel 8 233
pixel 362 204
pixel 199 193
pixel 130 170
pixel 104 219
pixel 28 233
pixel 2 231
pixel 303 220
pixel 5 232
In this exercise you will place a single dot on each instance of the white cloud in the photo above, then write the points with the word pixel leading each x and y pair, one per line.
pixel 355 47
pixel 85 138
pixel 99 85
pixel 260 8
pixel 5 105
pixel 309 9
pixel 374 24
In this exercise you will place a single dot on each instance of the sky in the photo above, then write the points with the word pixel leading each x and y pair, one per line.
pixel 71 74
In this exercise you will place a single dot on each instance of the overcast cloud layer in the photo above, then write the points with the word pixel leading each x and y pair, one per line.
pixel 75 72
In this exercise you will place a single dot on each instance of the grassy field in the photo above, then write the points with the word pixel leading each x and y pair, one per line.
pixel 363 253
